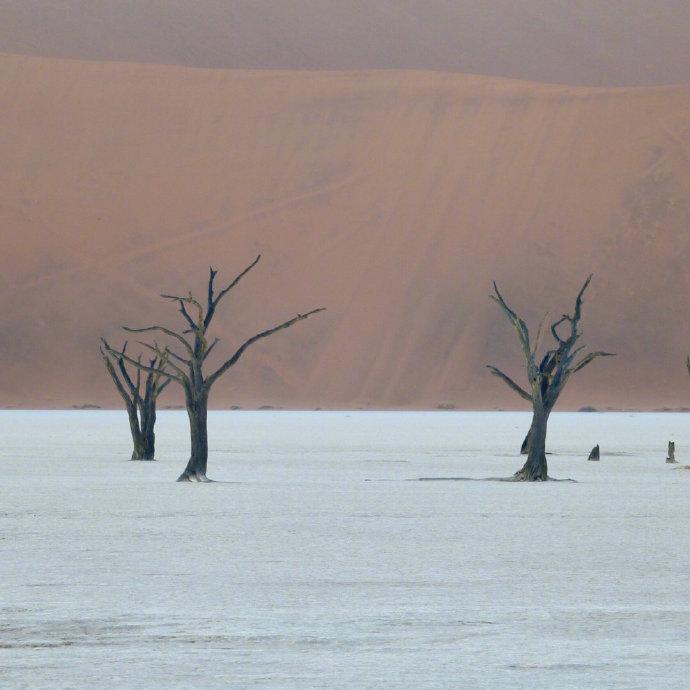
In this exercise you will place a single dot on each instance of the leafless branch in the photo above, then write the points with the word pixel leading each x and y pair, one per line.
pixel 520 325
pixel 182 310
pixel 518 389
pixel 180 359
pixel 211 346
pixel 162 329
pixel 143 367
pixel 554 329
pixel 213 301
pixel 163 357
pixel 133 387
pixel 233 360
pixel 578 301
pixel 540 331
pixel 137 385
pixel 116 379
pixel 588 359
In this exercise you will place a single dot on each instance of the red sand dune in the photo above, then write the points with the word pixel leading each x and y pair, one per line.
pixel 589 42
pixel 392 198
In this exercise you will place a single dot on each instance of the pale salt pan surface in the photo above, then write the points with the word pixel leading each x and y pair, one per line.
pixel 294 571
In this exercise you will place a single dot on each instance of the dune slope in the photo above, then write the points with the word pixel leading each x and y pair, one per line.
pixel 392 198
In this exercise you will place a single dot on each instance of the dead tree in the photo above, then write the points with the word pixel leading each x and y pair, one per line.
pixel 594 454
pixel 547 377
pixel 140 405
pixel 187 367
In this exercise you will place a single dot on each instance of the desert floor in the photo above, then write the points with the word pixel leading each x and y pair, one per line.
pixel 313 561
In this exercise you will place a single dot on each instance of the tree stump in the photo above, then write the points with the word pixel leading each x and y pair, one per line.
pixel 594 454
pixel 671 452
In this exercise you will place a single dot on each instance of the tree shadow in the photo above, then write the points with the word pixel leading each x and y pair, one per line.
pixel 510 480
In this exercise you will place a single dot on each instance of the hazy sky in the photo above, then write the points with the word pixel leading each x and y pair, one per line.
pixel 591 42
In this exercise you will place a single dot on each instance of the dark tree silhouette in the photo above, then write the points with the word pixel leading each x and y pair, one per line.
pixel 141 406
pixel 187 369
pixel 671 458
pixel 547 377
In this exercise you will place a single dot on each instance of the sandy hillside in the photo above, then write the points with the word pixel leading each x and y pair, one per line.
pixel 587 42
pixel 393 198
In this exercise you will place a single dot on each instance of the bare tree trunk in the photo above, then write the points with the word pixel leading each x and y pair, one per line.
pixel 139 449
pixel 197 409
pixel 594 454
pixel 138 445
pixel 535 469
pixel 148 424
pixel 143 436
pixel 547 375
pixel 149 447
